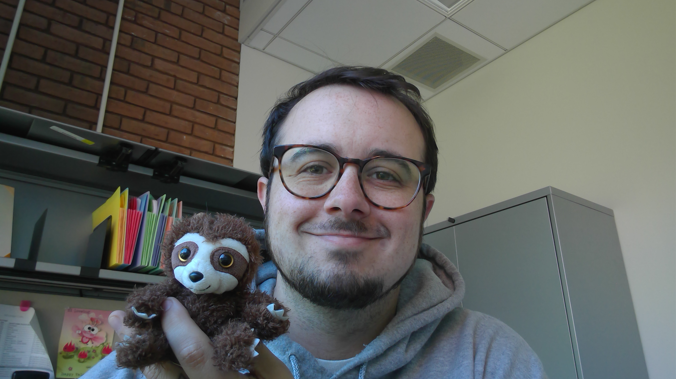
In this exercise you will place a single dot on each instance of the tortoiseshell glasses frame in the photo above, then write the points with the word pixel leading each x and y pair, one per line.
pixel 423 168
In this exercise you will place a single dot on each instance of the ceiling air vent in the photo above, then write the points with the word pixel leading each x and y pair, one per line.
pixel 436 62
pixel 446 7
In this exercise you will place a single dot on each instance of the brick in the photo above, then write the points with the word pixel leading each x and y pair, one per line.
pixel 230 78
pixel 197 91
pixel 46 40
pixel 229 42
pixel 207 157
pixel 157 25
pixel 137 30
pixel 166 146
pixel 21 79
pixel 151 75
pixel 221 17
pixel 82 10
pixel 213 135
pixel 171 95
pixel 106 6
pixel 231 32
pixel 35 21
pixel 231 54
pixel 178 46
pixel 232 11
pixel 88 84
pixel 112 120
pixel 111 21
pixel 169 122
pixel 67 92
pixel 73 64
pixel 142 7
pixel 192 115
pixel 219 62
pixel 214 4
pixel 93 55
pixel 7 12
pixel 16 107
pixel 203 20
pixel 224 151
pixel 190 142
pixel 228 101
pixel 116 92
pixel 143 129
pixel 129 81
pixel 33 99
pixel 83 113
pixel 97 29
pixel 124 39
pixel 76 36
pixel 232 3
pixel 28 49
pixel 128 14
pixel 123 135
pixel 125 109
pixel 216 110
pixel 6 25
pixel 41 69
pixel 181 22
pixel 134 56
pixel 218 85
pixel 166 5
pixel 147 102
pixel 201 43
pixel 51 13
pixel 194 5
pixel 175 70
pixel 225 125
pixel 120 65
pixel 198 66
pixel 61 118
pixel 13 3
pixel 152 49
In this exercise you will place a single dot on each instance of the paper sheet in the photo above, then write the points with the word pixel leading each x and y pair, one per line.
pixel 22 346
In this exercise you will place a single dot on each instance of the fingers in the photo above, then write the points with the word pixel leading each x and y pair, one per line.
pixel 267 366
pixel 192 347
pixel 116 320
pixel 164 370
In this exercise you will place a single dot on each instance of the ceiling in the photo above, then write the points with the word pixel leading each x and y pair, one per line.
pixel 319 34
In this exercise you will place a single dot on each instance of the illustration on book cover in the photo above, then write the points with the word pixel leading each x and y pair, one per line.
pixel 86 337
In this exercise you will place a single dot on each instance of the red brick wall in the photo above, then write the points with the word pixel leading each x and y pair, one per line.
pixel 175 75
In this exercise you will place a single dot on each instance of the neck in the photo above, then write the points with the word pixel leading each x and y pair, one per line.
pixel 331 333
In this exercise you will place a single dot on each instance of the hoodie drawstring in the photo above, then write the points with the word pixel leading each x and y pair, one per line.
pixel 362 371
pixel 294 367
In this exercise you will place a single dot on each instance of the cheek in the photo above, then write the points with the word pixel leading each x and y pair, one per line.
pixel 179 274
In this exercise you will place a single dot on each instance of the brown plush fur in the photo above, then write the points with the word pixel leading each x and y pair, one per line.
pixel 227 319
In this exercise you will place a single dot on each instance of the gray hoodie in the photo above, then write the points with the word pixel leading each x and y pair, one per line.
pixel 431 336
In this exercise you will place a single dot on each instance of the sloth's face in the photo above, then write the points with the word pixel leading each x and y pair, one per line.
pixel 209 267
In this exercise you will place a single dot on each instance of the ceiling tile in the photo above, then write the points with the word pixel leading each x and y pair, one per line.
pixel 283 15
pixel 298 56
pixel 510 23
pixel 358 31
pixel 261 39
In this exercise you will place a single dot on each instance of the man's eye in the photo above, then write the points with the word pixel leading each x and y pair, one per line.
pixel 384 176
pixel 315 170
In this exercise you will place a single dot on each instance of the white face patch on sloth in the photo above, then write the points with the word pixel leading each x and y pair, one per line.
pixel 209 267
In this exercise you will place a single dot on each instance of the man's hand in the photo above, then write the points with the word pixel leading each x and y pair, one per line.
pixel 194 351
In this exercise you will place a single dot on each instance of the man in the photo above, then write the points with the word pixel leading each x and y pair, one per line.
pixel 350 161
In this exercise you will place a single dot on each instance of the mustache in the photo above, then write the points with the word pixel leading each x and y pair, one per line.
pixel 355 227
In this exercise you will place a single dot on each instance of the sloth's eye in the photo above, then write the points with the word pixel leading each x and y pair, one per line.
pixel 226 260
pixel 184 254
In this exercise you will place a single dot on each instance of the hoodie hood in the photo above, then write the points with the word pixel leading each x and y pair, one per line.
pixel 432 289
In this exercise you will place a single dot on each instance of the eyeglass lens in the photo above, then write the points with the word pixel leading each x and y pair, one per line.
pixel 388 182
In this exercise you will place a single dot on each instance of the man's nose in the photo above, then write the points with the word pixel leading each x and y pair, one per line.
pixel 347 196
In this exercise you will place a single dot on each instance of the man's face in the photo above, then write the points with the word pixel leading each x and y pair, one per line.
pixel 340 250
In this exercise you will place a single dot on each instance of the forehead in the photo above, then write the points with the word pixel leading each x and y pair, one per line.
pixel 354 121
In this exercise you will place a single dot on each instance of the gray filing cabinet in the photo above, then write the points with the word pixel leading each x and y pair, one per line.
pixel 549 265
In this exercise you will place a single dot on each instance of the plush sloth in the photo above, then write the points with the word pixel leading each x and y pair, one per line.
pixel 210 262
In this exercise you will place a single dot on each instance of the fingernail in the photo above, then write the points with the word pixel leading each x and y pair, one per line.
pixel 115 320
pixel 166 304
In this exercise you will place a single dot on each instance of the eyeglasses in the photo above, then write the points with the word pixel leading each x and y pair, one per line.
pixel 311 172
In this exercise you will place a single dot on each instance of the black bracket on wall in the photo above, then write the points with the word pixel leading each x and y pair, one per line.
pixel 117 159
pixel 451 220
pixel 170 172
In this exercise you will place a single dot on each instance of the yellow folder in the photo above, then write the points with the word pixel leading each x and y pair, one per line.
pixel 110 208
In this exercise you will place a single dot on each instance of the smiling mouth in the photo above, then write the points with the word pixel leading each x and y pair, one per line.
pixel 204 289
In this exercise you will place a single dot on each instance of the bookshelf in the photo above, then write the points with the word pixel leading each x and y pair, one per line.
pixel 54 171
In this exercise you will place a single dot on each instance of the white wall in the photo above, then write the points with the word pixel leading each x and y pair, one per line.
pixel 588 106
pixel 262 79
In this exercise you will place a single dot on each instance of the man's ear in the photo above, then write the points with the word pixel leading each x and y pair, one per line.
pixel 429 202
pixel 262 191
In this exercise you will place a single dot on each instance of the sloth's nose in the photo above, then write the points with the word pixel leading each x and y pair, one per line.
pixel 196 276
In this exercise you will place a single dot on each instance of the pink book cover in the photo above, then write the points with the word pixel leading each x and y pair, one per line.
pixel 86 337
